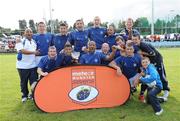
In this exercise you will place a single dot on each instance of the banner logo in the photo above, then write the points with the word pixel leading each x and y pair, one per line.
pixel 83 87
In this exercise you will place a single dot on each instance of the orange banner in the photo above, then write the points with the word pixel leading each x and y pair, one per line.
pixel 81 87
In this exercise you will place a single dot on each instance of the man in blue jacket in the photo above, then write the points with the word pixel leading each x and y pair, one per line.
pixel 79 37
pixel 97 33
pixel 61 38
pixel 93 57
pixel 43 40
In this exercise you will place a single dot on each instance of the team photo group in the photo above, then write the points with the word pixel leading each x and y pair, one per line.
pixel 40 53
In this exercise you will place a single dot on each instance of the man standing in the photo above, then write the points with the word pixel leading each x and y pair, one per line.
pixel 61 38
pixel 128 31
pixel 97 33
pixel 43 40
pixel 26 65
pixel 79 37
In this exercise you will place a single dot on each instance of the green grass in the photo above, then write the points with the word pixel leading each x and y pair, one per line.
pixel 11 108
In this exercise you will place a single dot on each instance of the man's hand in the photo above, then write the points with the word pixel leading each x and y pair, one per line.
pixel 44 74
pixel 114 48
pixel 37 52
pixel 119 72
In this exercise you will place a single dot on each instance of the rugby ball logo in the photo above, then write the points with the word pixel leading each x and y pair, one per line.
pixel 83 93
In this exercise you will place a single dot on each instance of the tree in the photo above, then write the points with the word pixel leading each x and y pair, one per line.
pixel 22 25
pixel 32 25
pixel 104 24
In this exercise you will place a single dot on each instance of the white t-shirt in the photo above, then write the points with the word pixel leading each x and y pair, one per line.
pixel 28 61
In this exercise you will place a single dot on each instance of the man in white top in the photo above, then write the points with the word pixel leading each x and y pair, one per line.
pixel 26 65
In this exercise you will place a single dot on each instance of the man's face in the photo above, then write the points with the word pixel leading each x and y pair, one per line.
pixel 68 50
pixel 80 25
pixel 42 28
pixel 120 42
pixel 110 30
pixel 28 34
pixel 145 63
pixel 129 24
pixel 136 40
pixel 52 53
pixel 63 30
pixel 92 46
pixel 105 48
pixel 129 50
pixel 97 21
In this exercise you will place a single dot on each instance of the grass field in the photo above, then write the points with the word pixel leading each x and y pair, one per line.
pixel 11 108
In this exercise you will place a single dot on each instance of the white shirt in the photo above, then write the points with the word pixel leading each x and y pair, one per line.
pixel 28 61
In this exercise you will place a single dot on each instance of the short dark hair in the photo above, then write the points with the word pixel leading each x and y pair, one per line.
pixel 136 35
pixel 41 22
pixel 51 47
pixel 62 24
pixel 119 37
pixel 67 45
pixel 145 57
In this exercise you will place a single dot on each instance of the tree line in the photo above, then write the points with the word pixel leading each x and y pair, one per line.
pixel 142 24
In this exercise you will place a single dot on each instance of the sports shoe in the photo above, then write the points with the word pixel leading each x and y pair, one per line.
pixel 30 97
pixel 162 99
pixel 142 99
pixel 24 99
pixel 159 113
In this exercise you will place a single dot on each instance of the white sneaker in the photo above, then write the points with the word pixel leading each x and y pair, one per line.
pixel 159 113
pixel 166 94
pixel 24 99
pixel 163 99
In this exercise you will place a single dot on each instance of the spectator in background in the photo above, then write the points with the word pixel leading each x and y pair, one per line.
pixel 26 65
pixel 61 38
pixel 97 33
pixel 43 41
pixel 128 31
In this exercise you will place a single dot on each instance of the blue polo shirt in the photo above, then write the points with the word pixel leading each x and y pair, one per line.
pixel 48 65
pixel 43 42
pixel 110 40
pixel 97 34
pixel 129 65
pixel 92 58
pixel 78 39
pixel 59 41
